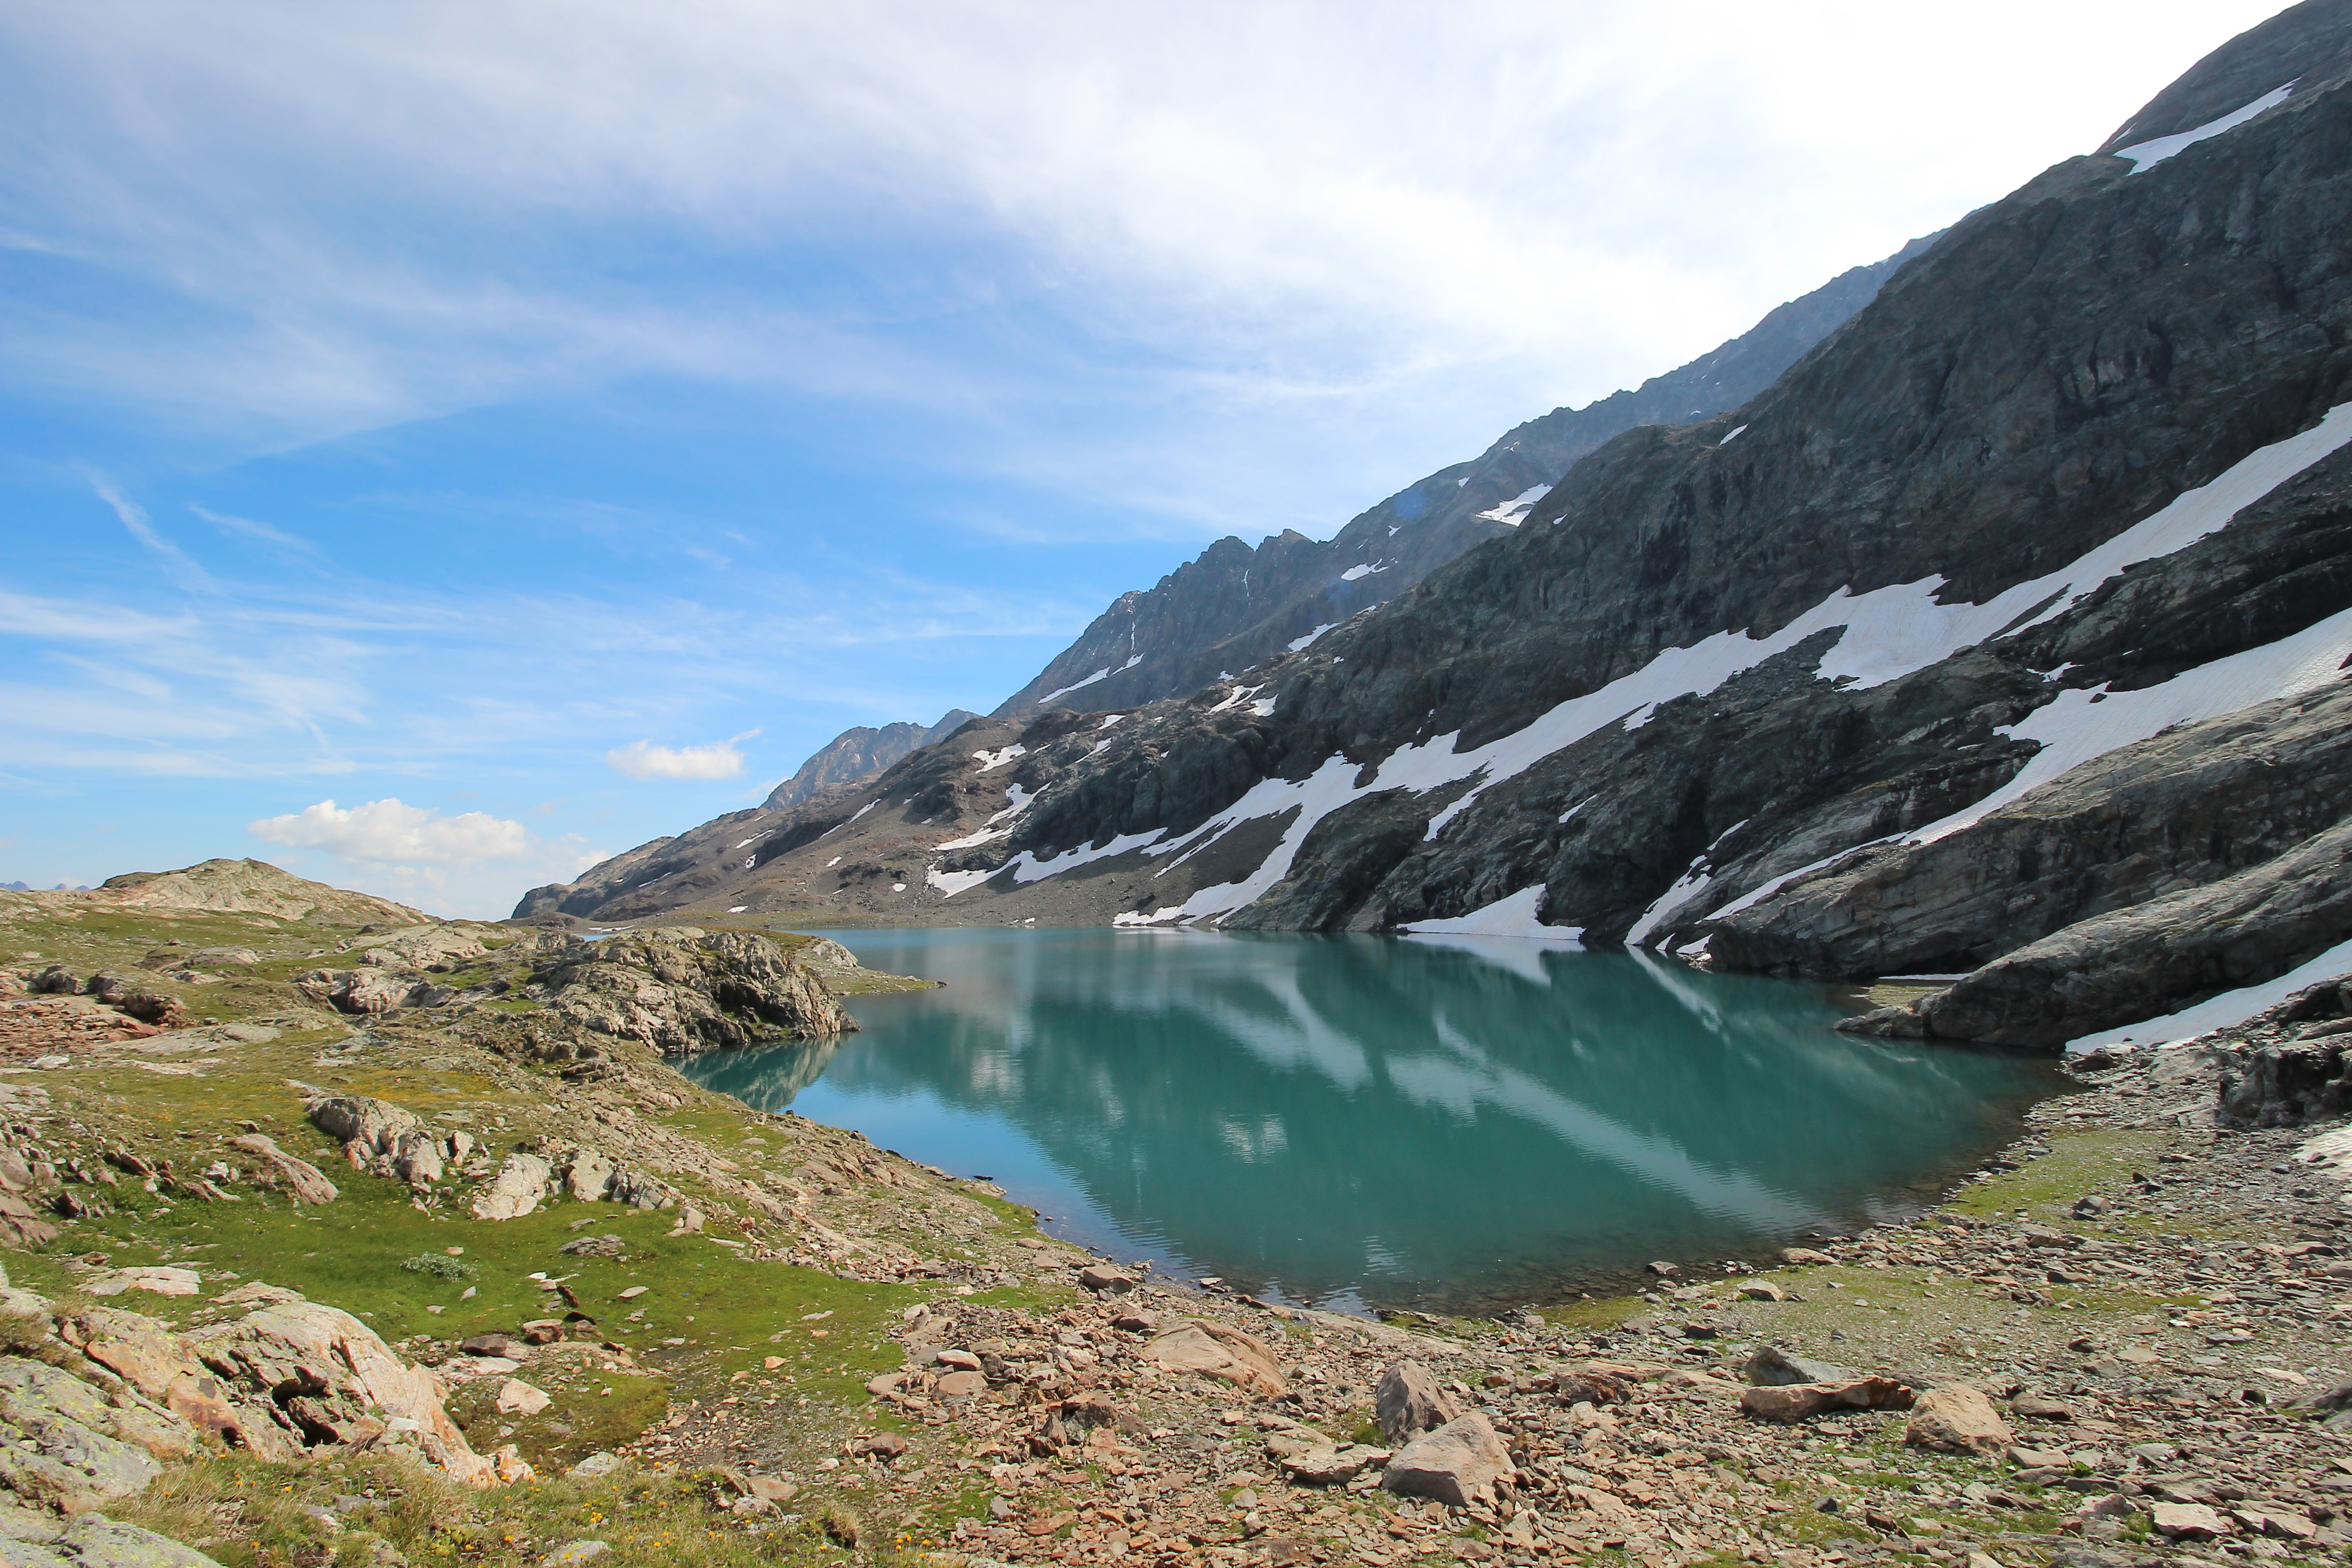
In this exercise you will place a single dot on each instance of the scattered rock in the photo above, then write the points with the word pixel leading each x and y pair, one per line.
pixel 1957 1419
pixel 1410 1401
pixel 1212 1350
pixel 1793 1401
pixel 1459 1464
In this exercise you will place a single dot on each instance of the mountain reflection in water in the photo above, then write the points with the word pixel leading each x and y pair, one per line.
pixel 1453 1123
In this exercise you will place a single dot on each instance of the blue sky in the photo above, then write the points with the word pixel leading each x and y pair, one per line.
pixel 443 443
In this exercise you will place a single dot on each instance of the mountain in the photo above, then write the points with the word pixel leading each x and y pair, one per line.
pixel 2004 636
pixel 860 753
pixel 696 858
pixel 218 887
pixel 1234 606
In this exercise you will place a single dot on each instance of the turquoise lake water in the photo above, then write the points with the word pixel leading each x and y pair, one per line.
pixel 1454 1124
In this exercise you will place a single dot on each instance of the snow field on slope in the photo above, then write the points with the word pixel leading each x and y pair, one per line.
pixel 1890 632
pixel 2146 155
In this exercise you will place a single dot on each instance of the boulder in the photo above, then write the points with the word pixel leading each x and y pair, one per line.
pixel 1793 1401
pixel 1104 1279
pixel 1214 1351
pixel 160 1281
pixel 588 1175
pixel 333 1376
pixel 517 1397
pixel 304 1182
pixel 416 1158
pixel 1957 1419
pixel 1410 1401
pixel 520 1183
pixel 2178 1522
pixel 367 1128
pixel 57 979
pixel 1459 1464
pixel 1771 1366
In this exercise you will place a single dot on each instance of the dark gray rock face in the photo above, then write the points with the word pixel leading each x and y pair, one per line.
pixel 860 753
pixel 1234 606
pixel 2190 807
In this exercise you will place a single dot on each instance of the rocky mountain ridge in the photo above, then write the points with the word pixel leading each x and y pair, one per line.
pixel 1234 605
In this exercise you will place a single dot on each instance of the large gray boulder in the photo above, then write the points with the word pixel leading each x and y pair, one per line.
pixel 1459 1464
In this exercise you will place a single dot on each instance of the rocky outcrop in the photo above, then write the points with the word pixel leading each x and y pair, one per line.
pixel 2148 960
pixel 112 1398
pixel 2191 806
pixel 682 990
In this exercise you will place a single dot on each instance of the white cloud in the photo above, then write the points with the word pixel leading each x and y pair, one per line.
pixel 1289 213
pixel 387 831
pixel 644 760
pixel 472 863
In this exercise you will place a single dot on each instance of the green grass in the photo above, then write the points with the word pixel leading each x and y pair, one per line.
pixel 246 1514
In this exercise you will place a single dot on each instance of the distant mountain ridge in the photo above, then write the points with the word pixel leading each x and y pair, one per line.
pixel 1234 606
pixel 859 753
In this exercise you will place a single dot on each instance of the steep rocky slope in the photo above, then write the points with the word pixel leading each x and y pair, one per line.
pixel 1229 610
pixel 1234 606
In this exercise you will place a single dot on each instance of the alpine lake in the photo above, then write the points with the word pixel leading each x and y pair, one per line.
pixel 1459 1125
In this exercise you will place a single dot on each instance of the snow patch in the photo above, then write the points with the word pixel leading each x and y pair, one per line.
pixel 1017 799
pixel 756 836
pixel 1515 914
pixel 2146 155
pixel 950 883
pixel 1728 440
pixel 1102 674
pixel 737 909
pixel 991 761
pixel 1264 707
pixel 1355 573
pixel 1310 636
pixel 2228 1009
pixel 1109 720
pixel 832 863
pixel 1890 632
pixel 1513 513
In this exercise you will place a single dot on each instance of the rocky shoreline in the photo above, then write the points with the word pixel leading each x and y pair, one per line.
pixel 632 1313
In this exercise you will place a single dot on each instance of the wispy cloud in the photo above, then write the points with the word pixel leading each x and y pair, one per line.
pixel 228 522
pixel 134 517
